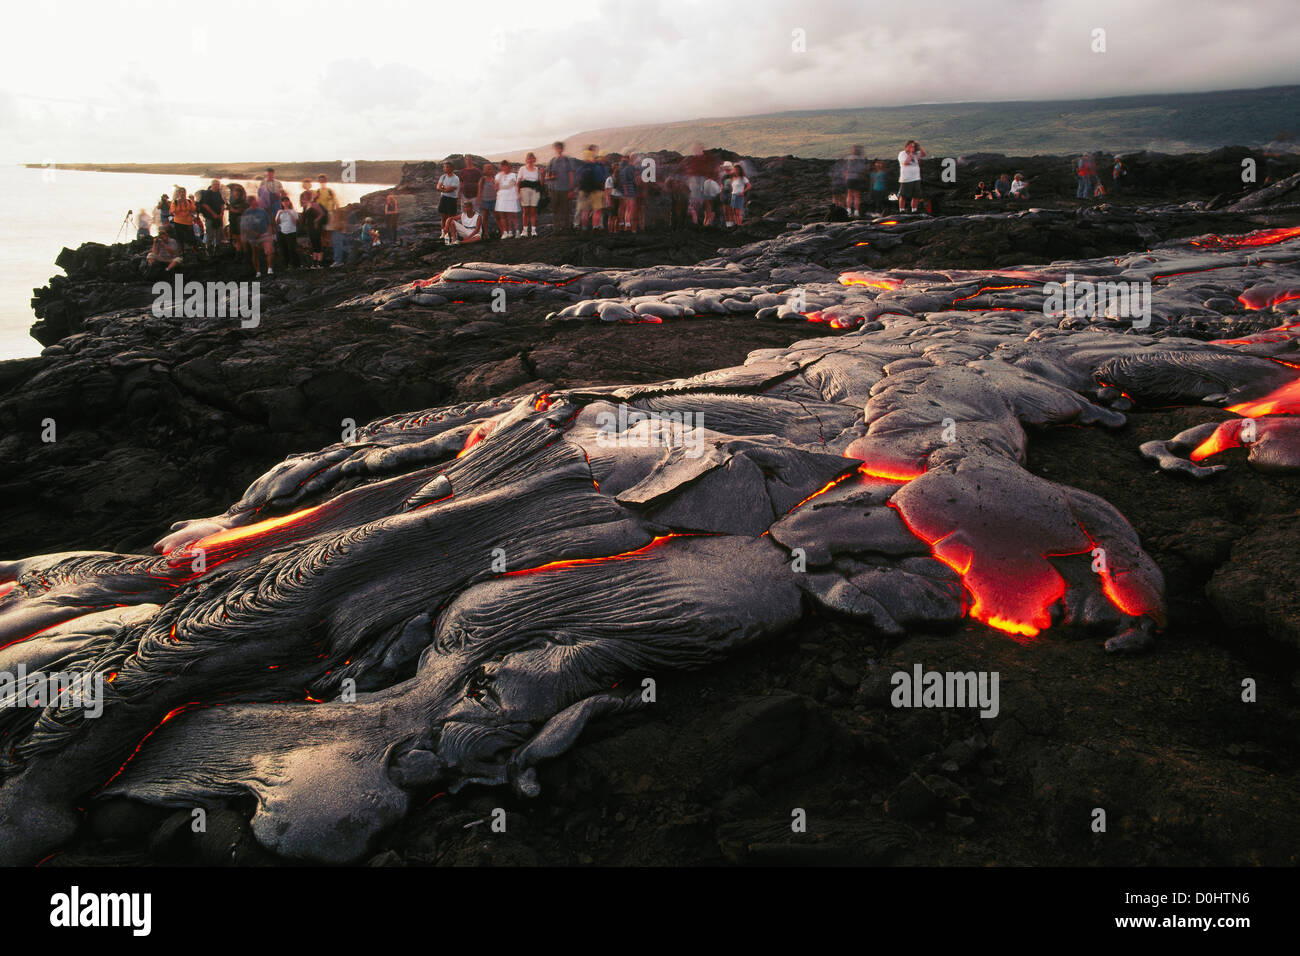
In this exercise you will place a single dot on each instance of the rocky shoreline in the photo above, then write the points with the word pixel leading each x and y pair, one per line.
pixel 159 418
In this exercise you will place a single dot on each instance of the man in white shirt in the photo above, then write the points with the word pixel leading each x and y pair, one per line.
pixel 909 175
pixel 467 227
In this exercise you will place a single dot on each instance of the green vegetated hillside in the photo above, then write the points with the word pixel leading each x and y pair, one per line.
pixel 1164 123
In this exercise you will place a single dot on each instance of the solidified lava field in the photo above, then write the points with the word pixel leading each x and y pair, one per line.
pixel 855 456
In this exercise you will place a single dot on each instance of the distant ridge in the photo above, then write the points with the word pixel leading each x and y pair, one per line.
pixel 1167 123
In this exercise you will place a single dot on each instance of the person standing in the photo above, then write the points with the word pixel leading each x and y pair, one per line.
pixel 390 217
pixel 530 194
pixel 591 190
pixel 1087 173
pixel 270 191
pixel 629 185
pixel 183 213
pixel 286 233
pixel 561 181
pixel 1117 176
pixel 329 204
pixel 879 187
pixel 739 186
pixel 257 230
pixel 448 190
pixel 142 224
pixel 909 176
pixel 855 182
pixel 164 211
pixel 507 200
pixel 487 200
pixel 211 207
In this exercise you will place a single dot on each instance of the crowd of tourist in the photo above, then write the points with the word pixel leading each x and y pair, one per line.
pixel 618 192
pixel 265 224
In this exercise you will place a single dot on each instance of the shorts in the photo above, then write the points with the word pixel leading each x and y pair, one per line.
pixel 858 185
pixel 910 190
pixel 737 200
pixel 529 197
pixel 593 201
pixel 463 231
pixel 447 206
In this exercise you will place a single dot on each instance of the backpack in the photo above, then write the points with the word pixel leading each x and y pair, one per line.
pixel 589 179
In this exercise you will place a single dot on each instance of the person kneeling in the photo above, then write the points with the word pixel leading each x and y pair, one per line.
pixel 467 227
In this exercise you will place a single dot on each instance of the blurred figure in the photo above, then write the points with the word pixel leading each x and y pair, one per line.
pixel 142 224
pixel 1117 176
pixel 257 230
pixel 530 193
pixel 211 208
pixel 700 169
pixel 1019 187
pixel 471 180
pixel 909 175
pixel 312 217
pixel 855 181
pixel 1002 188
pixel 838 183
pixel 329 204
pixel 1086 170
pixel 236 205
pixel 487 200
pixel 879 187
pixel 390 217
pixel 984 191
pixel 562 181
pixel 164 209
pixel 591 190
pixel 629 175
pixel 268 194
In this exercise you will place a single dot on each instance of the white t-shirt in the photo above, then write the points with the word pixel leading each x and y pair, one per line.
pixel 507 186
pixel 1017 186
pixel 466 224
pixel 908 172
pixel 712 189
pixel 738 184
pixel 527 179
pixel 287 220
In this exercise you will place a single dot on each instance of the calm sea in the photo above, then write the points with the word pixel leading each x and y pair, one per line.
pixel 41 211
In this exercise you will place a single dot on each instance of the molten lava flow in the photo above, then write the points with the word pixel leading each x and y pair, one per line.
pixel 174 712
pixel 1267 296
pixel 872 280
pixel 1280 401
pixel 251 531
pixel 480 432
pixel 1260 237
pixel 990 288
pixel 577 562
pixel 1227 435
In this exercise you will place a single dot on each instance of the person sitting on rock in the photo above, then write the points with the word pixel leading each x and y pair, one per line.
pixel 1019 187
pixel 166 250
pixel 467 227
pixel 982 191
pixel 1003 186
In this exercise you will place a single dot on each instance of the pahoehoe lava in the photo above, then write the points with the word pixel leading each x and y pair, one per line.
pixel 449 598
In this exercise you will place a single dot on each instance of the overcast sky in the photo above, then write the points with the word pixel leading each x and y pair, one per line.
pixel 140 81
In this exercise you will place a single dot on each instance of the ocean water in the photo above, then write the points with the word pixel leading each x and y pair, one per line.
pixel 41 211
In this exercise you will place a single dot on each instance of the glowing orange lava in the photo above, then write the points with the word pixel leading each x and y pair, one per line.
pixel 577 562
pixel 1280 401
